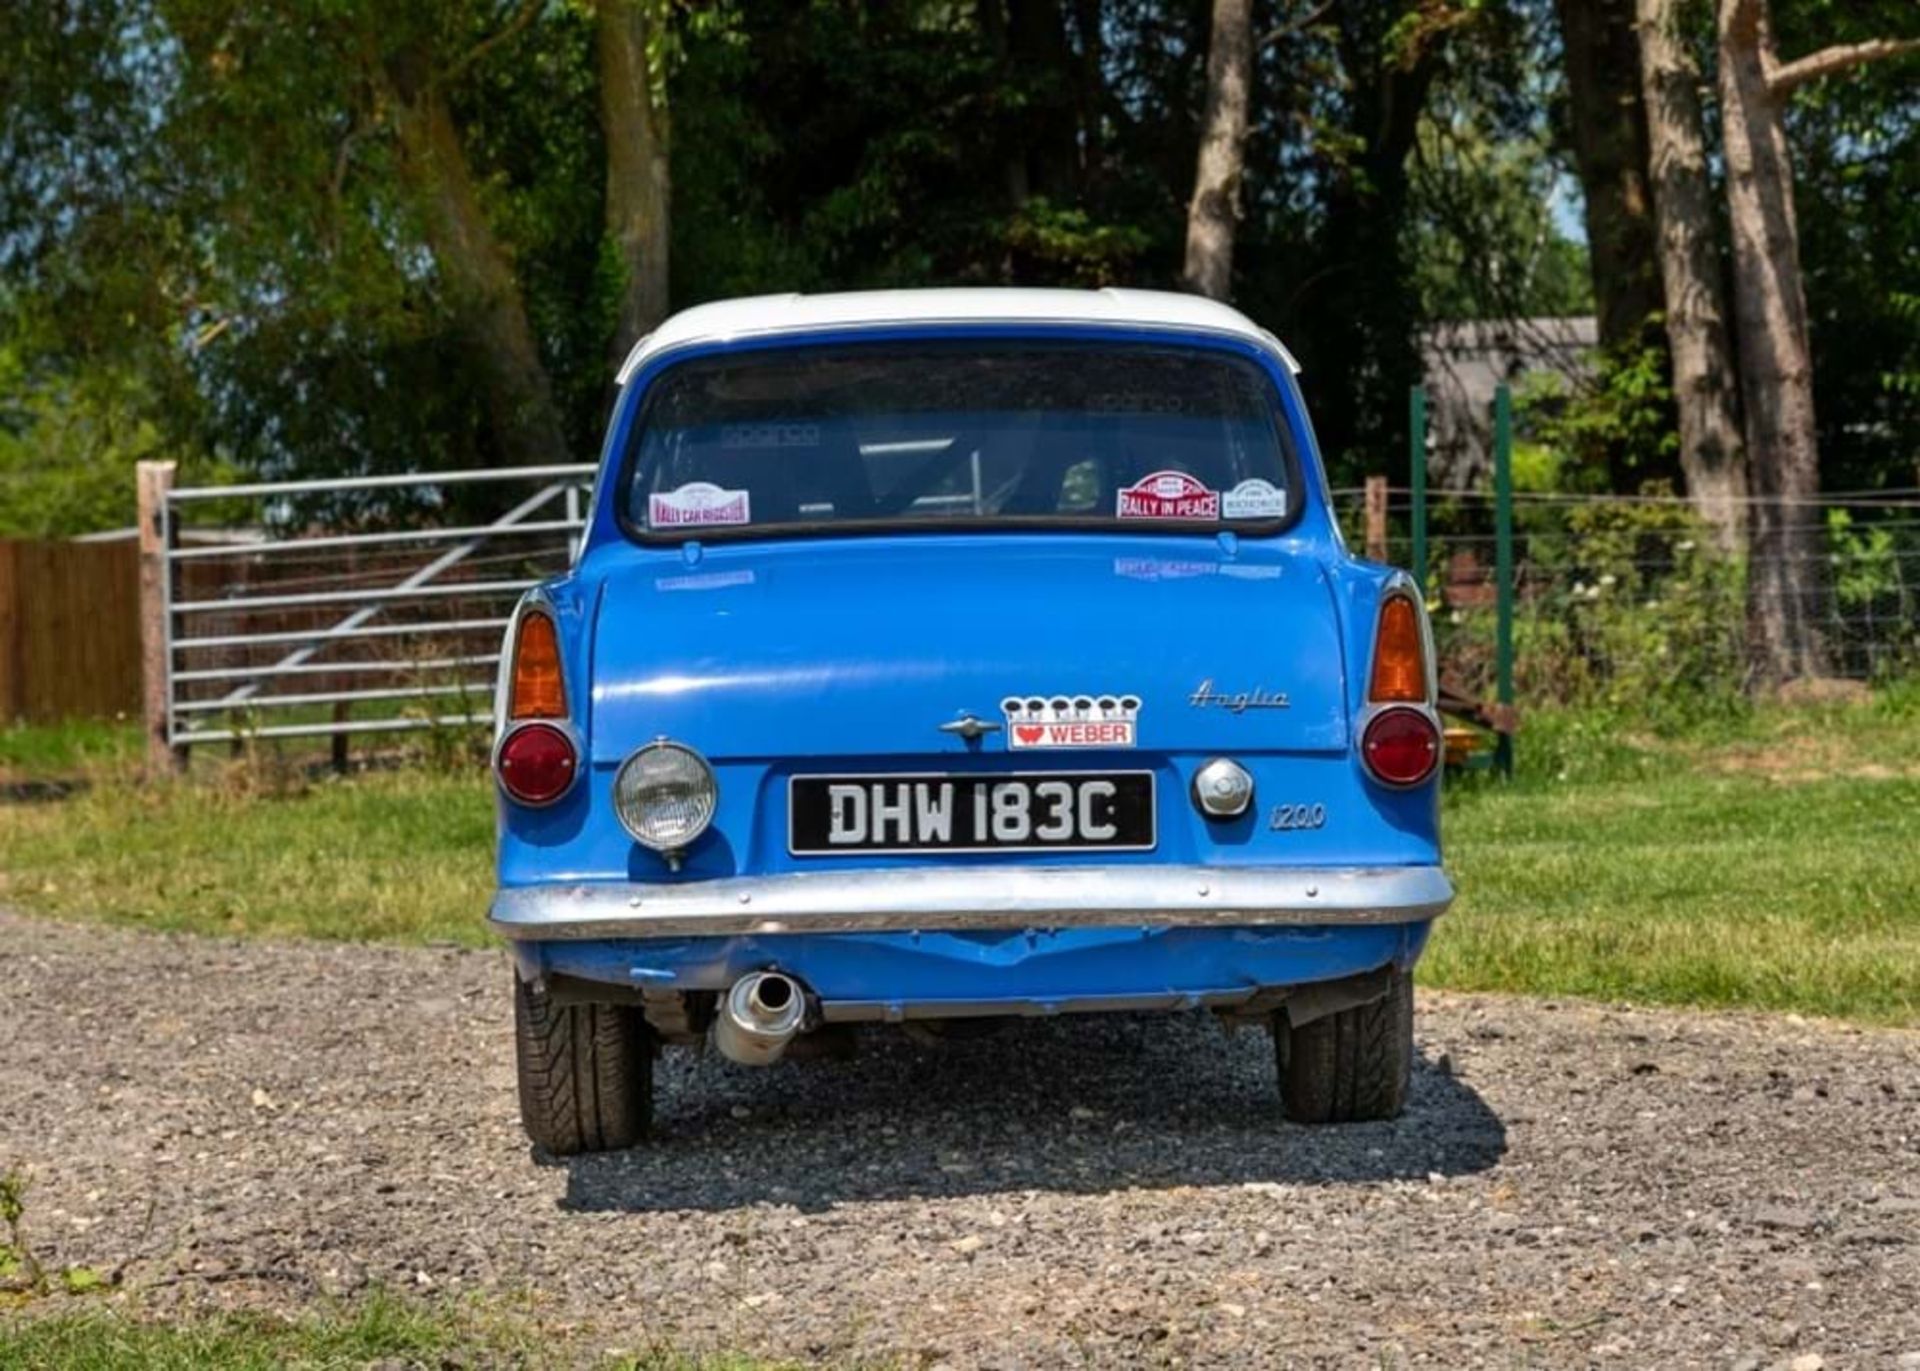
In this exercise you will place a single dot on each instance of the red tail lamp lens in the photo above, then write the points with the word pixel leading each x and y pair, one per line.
pixel 536 764
pixel 1401 746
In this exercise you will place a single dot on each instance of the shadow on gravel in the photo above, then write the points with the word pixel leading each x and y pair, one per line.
pixel 1083 1105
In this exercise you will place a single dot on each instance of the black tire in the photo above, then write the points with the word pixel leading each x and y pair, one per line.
pixel 1349 1066
pixel 586 1072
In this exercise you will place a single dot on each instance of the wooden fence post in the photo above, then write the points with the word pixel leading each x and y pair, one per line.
pixel 13 681
pixel 1376 518
pixel 155 481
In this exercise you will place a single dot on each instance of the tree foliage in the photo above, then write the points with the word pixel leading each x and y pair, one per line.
pixel 232 232
pixel 1856 145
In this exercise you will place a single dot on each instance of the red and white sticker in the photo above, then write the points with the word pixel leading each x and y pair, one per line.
pixel 1254 498
pixel 700 504
pixel 1083 721
pixel 1168 495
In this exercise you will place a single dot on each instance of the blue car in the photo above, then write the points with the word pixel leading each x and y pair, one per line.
pixel 947 655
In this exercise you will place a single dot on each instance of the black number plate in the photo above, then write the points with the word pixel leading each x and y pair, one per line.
pixel 1109 811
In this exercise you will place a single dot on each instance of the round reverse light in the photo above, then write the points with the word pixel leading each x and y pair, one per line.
pixel 1401 746
pixel 536 764
pixel 665 796
pixel 1222 789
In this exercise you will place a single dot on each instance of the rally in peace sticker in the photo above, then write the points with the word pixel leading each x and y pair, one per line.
pixel 1168 495
pixel 1254 498
pixel 699 504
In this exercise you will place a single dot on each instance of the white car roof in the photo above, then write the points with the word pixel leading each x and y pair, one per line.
pixel 760 315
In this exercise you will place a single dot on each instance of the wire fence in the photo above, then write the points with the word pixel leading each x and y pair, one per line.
pixel 1624 597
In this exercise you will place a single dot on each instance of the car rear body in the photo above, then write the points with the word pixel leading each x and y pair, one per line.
pixel 955 740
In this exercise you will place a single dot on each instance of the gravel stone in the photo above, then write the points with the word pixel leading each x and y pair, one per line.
pixel 258 1124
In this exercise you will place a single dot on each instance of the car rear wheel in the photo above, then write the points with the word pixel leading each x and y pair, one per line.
pixel 586 1072
pixel 1351 1065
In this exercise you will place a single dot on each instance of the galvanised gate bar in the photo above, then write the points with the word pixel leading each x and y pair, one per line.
pixel 356 605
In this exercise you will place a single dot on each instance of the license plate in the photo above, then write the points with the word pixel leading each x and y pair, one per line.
pixel 1108 811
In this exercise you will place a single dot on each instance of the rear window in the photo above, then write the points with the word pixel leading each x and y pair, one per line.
pixel 959 435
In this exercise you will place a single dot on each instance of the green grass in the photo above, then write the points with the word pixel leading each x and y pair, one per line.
pixel 1772 863
pixel 39 751
pixel 382 1330
pixel 401 856
pixel 1766 860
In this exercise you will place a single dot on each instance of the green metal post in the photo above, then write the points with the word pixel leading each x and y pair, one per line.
pixel 1417 469
pixel 1503 562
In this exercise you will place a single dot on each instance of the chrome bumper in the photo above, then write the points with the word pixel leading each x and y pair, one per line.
pixel 961 898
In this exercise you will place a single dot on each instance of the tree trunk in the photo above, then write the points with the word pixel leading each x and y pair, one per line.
pixel 1364 343
pixel 1784 581
pixel 991 15
pixel 1214 213
pixel 1092 95
pixel 1705 384
pixel 1607 128
pixel 1043 70
pixel 633 121
pixel 492 313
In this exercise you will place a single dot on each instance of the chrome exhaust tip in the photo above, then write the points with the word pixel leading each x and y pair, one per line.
pixel 759 1018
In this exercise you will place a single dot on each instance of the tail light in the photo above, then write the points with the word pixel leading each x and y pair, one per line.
pixel 536 764
pixel 1401 743
pixel 1400 746
pixel 535 760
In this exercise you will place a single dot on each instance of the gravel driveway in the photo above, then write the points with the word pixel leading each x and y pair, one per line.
pixel 1571 1184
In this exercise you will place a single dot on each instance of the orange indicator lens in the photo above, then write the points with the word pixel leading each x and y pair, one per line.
pixel 536 692
pixel 1399 659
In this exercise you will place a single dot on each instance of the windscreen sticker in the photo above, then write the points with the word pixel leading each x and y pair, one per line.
pixel 1136 402
pixel 1168 495
pixel 700 504
pixel 1254 498
pixel 770 435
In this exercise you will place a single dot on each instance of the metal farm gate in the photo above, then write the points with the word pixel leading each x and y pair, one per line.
pixel 365 605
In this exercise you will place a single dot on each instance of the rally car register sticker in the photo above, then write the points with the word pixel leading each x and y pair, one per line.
pixel 699 504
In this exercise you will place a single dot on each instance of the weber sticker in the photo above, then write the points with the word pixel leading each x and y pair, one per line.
pixel 1254 499
pixel 1080 721
pixel 698 505
pixel 1168 495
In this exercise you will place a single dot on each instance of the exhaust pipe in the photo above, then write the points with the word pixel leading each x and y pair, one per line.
pixel 759 1018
